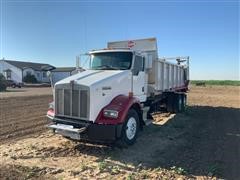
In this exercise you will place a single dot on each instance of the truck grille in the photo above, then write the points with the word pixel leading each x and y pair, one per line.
pixel 73 103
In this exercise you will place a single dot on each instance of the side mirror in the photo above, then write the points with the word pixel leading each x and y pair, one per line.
pixel 49 74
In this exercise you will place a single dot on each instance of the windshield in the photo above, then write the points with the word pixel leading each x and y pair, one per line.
pixel 111 60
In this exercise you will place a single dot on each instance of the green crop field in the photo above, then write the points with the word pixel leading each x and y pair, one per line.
pixel 216 82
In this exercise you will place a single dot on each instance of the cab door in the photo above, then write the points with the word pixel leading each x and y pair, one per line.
pixel 138 73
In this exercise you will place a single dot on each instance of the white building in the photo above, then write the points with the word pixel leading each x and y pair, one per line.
pixel 17 70
pixel 62 72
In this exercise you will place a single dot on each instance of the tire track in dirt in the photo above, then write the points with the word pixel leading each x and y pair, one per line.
pixel 22 134
pixel 11 121
pixel 22 116
pixel 21 127
pixel 24 110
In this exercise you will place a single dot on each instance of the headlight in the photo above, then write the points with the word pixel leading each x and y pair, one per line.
pixel 110 113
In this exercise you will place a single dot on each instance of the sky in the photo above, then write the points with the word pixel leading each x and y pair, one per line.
pixel 55 32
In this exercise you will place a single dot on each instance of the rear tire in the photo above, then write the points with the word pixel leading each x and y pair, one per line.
pixel 184 100
pixel 130 128
pixel 178 103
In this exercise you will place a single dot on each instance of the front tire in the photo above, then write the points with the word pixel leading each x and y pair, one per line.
pixel 130 128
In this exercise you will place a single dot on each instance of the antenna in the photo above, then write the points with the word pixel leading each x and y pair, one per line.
pixel 77 63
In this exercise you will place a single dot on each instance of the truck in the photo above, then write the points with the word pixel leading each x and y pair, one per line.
pixel 114 98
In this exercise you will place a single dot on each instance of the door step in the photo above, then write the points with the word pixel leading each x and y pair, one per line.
pixel 145 111
pixel 148 122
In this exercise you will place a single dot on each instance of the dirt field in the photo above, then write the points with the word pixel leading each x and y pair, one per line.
pixel 22 111
pixel 202 143
pixel 23 92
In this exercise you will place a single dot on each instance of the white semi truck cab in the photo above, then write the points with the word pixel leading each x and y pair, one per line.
pixel 114 98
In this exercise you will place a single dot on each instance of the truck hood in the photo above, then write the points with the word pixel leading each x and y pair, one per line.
pixel 97 88
pixel 91 77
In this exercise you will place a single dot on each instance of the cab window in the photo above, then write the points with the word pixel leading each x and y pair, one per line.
pixel 138 65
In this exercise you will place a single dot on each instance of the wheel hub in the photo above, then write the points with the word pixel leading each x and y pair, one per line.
pixel 131 128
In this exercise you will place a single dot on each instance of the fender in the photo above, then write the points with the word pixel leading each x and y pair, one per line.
pixel 120 103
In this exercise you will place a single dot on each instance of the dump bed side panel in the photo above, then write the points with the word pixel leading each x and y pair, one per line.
pixel 169 77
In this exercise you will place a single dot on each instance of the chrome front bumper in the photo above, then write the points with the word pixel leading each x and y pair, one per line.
pixel 67 130
pixel 85 130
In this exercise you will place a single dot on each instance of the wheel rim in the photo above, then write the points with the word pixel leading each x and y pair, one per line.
pixel 131 128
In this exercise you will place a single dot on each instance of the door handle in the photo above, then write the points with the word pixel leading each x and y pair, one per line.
pixel 142 89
